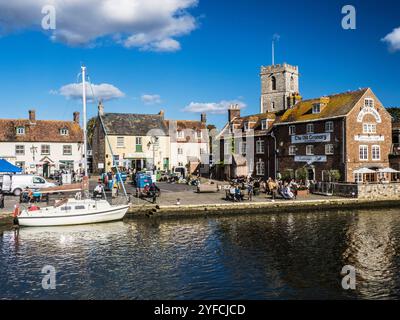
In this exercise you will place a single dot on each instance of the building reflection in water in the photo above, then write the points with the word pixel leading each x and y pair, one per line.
pixel 371 246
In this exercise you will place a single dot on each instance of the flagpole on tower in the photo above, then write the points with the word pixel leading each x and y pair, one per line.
pixel 273 52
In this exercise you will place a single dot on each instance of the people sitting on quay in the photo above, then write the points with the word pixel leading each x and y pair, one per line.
pixel 98 190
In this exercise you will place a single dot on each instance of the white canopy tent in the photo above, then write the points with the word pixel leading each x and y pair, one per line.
pixel 364 171
pixel 387 170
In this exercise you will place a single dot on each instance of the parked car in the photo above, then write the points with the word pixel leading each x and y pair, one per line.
pixel 15 184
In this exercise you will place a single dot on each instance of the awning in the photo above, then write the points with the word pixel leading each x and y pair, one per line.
pixel 387 170
pixel 364 171
pixel 7 167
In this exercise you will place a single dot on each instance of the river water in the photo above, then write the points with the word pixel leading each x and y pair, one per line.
pixel 276 256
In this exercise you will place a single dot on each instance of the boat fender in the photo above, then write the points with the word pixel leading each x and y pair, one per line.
pixel 16 211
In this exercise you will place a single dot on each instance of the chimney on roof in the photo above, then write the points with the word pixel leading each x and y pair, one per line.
pixel 100 108
pixel 32 116
pixel 76 117
pixel 203 117
pixel 233 112
pixel 161 113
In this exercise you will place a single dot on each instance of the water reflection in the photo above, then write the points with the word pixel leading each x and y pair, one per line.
pixel 280 256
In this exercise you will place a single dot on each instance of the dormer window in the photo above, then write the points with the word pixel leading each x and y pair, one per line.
pixel 20 130
pixel 64 131
pixel 264 124
pixel 316 108
pixel 368 102
pixel 180 134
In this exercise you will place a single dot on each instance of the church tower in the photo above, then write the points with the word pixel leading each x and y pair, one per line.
pixel 279 87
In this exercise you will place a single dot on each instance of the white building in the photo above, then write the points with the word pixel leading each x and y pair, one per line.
pixel 42 146
pixel 189 143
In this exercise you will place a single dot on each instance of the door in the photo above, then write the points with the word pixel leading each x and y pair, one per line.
pixel 46 170
pixel 310 174
pixel 38 182
pixel 166 164
pixel 6 185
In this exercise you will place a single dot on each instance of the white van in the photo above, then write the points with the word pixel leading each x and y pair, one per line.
pixel 18 182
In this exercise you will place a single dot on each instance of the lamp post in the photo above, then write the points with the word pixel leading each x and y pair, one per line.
pixel 154 140
pixel 33 151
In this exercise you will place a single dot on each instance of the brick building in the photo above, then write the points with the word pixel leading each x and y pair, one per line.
pixel 346 136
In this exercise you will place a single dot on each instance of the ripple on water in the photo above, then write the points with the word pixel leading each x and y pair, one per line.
pixel 296 256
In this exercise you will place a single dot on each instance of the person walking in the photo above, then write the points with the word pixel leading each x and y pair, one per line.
pixel 1 199
pixel 250 191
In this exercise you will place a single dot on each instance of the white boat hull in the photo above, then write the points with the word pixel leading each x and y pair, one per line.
pixel 46 218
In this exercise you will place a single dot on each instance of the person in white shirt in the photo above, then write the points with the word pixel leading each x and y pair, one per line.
pixel 98 190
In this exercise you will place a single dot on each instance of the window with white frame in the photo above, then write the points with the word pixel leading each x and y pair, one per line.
pixel 292 130
pixel 202 151
pixel 358 177
pixel 292 150
pixel 329 126
pixel 310 150
pixel 243 147
pixel 138 144
pixel 260 147
pixel 64 131
pixel 120 142
pixel 45 149
pixel 199 134
pixel 19 150
pixel 260 168
pixel 369 128
pixel 376 153
pixel 310 128
pixel 227 147
pixel 246 126
pixel 329 149
pixel 180 151
pixel 316 108
pixel 363 152
pixel 368 102
pixel 20 130
pixel 180 134
pixel 67 150
pixel 264 124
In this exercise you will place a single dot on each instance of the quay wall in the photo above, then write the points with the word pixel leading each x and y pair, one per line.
pixel 379 191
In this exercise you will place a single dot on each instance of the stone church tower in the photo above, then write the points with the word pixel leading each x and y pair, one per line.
pixel 279 87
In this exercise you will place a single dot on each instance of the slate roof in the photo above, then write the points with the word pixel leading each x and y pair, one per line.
pixel 40 131
pixel 131 124
pixel 338 105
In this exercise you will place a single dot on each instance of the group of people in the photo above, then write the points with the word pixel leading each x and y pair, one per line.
pixel 273 187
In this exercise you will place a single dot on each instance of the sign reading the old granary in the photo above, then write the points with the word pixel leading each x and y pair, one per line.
pixel 369 110
pixel 310 159
pixel 312 138
pixel 369 138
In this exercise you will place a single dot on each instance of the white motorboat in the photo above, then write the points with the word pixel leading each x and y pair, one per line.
pixel 73 212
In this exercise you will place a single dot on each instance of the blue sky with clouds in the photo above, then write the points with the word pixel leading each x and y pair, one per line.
pixel 188 55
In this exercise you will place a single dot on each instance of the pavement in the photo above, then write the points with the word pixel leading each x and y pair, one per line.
pixel 170 193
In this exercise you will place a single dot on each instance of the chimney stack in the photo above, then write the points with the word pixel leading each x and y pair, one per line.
pixel 203 117
pixel 233 112
pixel 32 116
pixel 161 113
pixel 76 117
pixel 100 108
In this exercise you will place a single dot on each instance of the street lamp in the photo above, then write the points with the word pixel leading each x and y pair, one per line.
pixel 154 140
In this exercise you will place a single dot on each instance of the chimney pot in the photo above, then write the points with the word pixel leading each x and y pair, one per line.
pixel 100 108
pixel 32 116
pixel 233 112
pixel 76 117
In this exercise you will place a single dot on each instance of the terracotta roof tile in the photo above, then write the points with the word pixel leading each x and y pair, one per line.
pixel 40 131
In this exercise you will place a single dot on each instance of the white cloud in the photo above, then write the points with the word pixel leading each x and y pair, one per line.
pixel 393 40
pixel 213 107
pixel 144 24
pixel 151 98
pixel 102 91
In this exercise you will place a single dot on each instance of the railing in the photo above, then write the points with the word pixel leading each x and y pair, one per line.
pixel 349 190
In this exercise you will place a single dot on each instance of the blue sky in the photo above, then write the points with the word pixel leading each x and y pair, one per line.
pixel 201 52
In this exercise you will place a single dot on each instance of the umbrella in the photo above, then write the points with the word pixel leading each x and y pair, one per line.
pixel 364 171
pixel 387 170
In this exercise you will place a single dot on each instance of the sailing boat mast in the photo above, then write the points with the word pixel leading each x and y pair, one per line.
pixel 85 166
